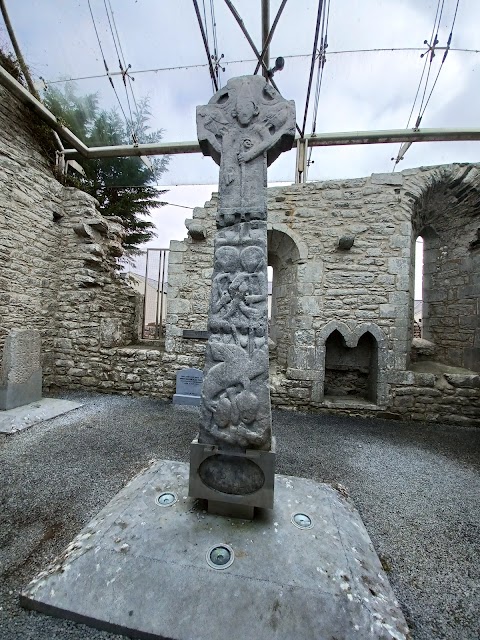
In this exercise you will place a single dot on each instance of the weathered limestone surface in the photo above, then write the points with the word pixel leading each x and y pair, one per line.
pixel 142 550
pixel 20 370
pixel 235 395
pixel 30 201
pixel 57 260
pixel 244 127
pixel 319 288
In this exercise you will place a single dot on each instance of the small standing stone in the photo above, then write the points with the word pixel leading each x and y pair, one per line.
pixel 189 387
pixel 21 374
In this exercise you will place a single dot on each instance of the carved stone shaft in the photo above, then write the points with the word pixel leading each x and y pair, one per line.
pixel 235 410
pixel 244 128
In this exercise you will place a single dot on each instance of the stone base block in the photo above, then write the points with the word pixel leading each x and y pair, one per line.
pixel 14 395
pixel 240 479
pixel 191 401
pixel 148 571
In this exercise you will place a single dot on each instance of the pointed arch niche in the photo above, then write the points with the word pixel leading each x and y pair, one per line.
pixel 352 363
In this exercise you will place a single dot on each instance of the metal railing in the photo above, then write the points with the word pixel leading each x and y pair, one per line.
pixel 148 277
pixel 156 261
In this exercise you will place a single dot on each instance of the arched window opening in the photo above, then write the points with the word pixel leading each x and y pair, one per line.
pixel 282 262
pixel 445 216
pixel 427 283
pixel 418 289
pixel 351 372
pixel 270 290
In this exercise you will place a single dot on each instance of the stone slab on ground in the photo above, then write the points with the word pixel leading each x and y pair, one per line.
pixel 14 420
pixel 141 569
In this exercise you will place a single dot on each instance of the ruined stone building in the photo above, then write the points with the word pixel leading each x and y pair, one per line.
pixel 342 254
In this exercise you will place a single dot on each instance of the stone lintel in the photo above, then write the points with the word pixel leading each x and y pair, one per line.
pixel 195 334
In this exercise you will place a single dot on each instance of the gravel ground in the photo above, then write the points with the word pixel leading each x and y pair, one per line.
pixel 416 486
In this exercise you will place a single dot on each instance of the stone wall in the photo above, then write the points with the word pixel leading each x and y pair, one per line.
pixel 57 260
pixel 30 207
pixel 447 217
pixel 95 309
pixel 57 274
pixel 364 293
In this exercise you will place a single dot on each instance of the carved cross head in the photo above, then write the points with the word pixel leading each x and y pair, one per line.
pixel 246 105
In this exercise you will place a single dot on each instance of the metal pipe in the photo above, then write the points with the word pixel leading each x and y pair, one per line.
pixel 270 35
pixel 157 297
pixel 242 26
pixel 164 252
pixel 252 44
pixel 265 32
pixel 128 150
pixel 16 48
pixel 145 296
pixel 47 116
pixel 387 136
pixel 23 66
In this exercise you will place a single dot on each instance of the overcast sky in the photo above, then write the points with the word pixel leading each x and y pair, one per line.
pixel 360 91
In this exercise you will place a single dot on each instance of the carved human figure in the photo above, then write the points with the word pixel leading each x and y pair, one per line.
pixel 245 126
pixel 239 287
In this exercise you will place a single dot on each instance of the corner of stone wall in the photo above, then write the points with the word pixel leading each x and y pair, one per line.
pixel 95 307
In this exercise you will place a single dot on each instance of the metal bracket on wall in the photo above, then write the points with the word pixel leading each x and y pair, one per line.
pixel 60 164
pixel 301 166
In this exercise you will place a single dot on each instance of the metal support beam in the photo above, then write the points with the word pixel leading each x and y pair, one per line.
pixel 252 44
pixel 265 33
pixel 16 48
pixel 312 64
pixel 47 116
pixel 242 26
pixel 23 66
pixel 205 44
pixel 301 163
pixel 392 136
pixel 128 150
pixel 269 37
pixel 387 136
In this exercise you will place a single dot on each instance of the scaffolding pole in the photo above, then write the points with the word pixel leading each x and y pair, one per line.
pixel 387 136
pixel 265 32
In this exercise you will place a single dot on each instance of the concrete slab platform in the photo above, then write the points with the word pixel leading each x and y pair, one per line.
pixel 13 420
pixel 141 569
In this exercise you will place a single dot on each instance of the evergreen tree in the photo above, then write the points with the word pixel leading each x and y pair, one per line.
pixel 123 186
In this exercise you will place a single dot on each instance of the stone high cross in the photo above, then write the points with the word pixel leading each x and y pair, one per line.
pixel 244 128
